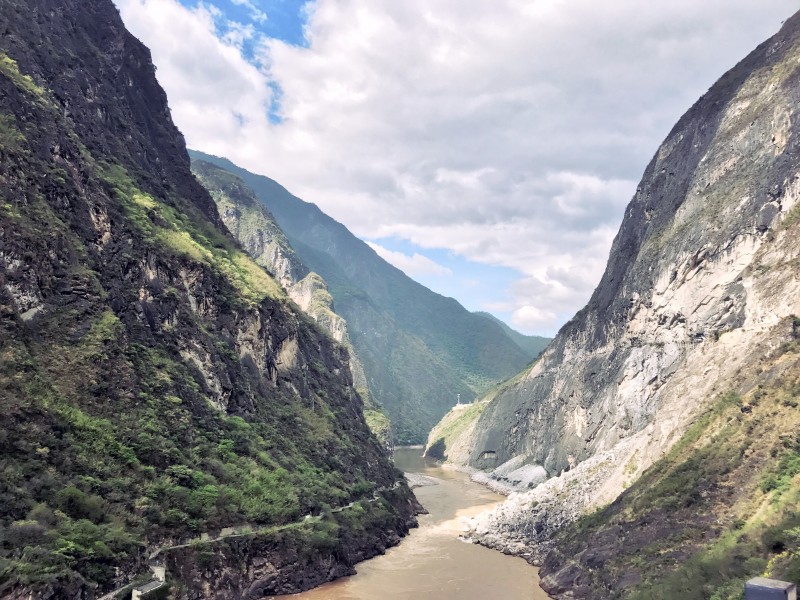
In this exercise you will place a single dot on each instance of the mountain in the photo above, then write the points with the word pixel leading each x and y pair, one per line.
pixel 532 345
pixel 157 387
pixel 255 228
pixel 677 383
pixel 419 349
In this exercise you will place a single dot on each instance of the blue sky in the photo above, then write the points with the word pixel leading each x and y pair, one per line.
pixel 486 148
pixel 280 19
pixel 478 286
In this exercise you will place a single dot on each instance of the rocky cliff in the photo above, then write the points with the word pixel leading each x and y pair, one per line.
pixel 255 228
pixel 700 282
pixel 251 223
pixel 719 508
pixel 155 383
pixel 418 348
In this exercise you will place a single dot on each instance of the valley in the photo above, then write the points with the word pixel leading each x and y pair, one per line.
pixel 210 388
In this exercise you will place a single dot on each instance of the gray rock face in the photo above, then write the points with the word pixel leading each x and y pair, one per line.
pixel 703 267
pixel 250 223
pixel 255 228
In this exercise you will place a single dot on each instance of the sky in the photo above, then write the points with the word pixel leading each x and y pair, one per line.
pixel 487 149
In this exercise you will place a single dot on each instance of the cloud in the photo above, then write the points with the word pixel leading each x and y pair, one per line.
pixel 214 93
pixel 412 265
pixel 510 132
pixel 258 15
pixel 238 33
pixel 531 317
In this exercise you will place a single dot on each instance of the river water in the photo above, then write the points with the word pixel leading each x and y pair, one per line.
pixel 431 562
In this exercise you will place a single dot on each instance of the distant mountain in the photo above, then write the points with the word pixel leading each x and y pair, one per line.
pixel 156 385
pixel 533 345
pixel 253 225
pixel 419 349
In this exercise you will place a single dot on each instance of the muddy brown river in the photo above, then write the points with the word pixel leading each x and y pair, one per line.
pixel 432 562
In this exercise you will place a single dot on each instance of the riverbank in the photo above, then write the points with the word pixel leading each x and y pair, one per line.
pixel 433 562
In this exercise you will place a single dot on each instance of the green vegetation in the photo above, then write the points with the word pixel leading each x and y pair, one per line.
pixel 791 218
pixel 232 471
pixel 9 68
pixel 533 345
pixel 11 138
pixel 338 535
pixel 379 424
pixel 181 229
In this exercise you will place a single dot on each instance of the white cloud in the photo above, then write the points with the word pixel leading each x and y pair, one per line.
pixel 214 93
pixel 530 317
pixel 238 33
pixel 512 132
pixel 412 265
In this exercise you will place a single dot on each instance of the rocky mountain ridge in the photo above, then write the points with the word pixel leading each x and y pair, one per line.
pixel 255 228
pixel 534 345
pixel 701 280
pixel 155 383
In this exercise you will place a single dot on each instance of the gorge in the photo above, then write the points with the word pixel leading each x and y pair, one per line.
pixel 433 562
pixel 204 375
pixel 648 402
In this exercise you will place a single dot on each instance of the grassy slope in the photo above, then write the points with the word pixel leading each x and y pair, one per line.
pixel 454 425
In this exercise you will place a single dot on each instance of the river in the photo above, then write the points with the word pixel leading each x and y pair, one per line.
pixel 432 562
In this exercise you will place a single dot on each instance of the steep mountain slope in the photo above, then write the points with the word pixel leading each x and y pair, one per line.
pixel 251 223
pixel 701 280
pixel 155 383
pixel 720 508
pixel 255 228
pixel 533 345
pixel 419 349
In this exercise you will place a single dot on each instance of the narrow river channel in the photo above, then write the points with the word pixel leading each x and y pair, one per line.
pixel 432 562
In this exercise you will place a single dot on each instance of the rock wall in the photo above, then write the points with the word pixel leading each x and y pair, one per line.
pixel 155 382
pixel 294 559
pixel 700 274
pixel 255 228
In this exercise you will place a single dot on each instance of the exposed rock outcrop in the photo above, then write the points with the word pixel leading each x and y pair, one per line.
pixel 288 561
pixel 700 277
pixel 255 228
